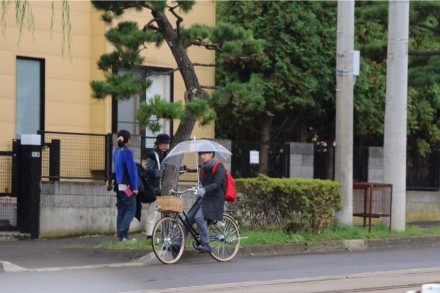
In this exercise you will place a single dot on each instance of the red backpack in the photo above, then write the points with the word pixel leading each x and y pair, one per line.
pixel 230 190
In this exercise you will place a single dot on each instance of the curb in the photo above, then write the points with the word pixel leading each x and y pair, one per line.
pixel 7 267
pixel 265 250
pixel 320 247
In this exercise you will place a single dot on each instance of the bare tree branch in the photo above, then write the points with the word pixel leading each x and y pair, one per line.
pixel 424 53
pixel 204 65
pixel 150 25
pixel 179 19
pixel 234 59
pixel 211 87
pixel 153 72
pixel 435 29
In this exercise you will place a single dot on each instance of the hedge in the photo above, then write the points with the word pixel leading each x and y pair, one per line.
pixel 295 204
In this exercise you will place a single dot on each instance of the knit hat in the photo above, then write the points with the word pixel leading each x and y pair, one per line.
pixel 162 138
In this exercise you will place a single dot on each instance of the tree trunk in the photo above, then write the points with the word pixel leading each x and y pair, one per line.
pixel 192 86
pixel 264 145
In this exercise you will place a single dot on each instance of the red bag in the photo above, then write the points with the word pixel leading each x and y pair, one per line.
pixel 230 190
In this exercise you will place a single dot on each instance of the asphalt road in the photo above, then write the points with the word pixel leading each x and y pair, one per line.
pixel 390 270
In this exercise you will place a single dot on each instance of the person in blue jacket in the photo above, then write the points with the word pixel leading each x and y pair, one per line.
pixel 126 178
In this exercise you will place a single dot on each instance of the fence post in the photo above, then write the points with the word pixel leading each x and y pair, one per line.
pixel 108 155
pixel 28 199
pixel 54 160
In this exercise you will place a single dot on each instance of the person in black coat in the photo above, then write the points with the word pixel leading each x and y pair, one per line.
pixel 153 173
pixel 211 198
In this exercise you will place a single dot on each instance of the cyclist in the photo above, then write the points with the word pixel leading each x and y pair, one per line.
pixel 211 199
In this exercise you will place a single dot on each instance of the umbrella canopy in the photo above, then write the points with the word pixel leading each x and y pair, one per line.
pixel 175 156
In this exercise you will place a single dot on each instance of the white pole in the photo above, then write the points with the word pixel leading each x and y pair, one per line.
pixel 395 109
pixel 344 108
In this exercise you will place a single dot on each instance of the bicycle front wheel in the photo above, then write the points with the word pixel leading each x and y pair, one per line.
pixel 224 238
pixel 168 240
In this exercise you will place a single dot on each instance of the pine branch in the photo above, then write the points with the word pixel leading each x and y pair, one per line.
pixel 207 45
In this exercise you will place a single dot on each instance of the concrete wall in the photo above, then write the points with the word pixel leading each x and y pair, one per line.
pixel 68 209
pixel 301 160
pixel 72 208
pixel 375 164
pixel 420 205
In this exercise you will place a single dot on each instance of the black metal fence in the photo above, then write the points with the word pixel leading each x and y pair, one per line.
pixel 5 173
pixel 422 172
pixel 82 156
pixel 245 160
pixel 324 163
pixel 78 156
pixel 8 203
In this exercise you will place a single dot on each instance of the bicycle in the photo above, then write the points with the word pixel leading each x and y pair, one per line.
pixel 168 239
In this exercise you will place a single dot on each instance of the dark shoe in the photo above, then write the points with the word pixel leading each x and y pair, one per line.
pixel 204 248
pixel 149 237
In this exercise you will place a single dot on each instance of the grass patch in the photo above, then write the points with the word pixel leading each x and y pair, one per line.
pixel 334 232
pixel 274 235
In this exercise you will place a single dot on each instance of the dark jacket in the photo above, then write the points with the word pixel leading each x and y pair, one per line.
pixel 214 199
pixel 153 173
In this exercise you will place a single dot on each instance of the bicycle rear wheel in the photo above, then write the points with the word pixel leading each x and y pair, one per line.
pixel 224 239
pixel 168 240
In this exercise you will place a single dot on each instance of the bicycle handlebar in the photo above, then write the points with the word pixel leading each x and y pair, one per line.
pixel 172 191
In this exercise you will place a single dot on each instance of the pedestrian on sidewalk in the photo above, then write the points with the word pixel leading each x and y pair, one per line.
pixel 126 180
pixel 154 171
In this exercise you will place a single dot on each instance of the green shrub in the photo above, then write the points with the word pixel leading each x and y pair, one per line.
pixel 294 204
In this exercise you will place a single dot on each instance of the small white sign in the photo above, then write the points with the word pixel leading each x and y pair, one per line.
pixel 356 62
pixel 30 139
pixel 254 157
pixel 35 154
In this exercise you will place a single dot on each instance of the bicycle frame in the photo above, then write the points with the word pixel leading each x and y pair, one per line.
pixel 169 233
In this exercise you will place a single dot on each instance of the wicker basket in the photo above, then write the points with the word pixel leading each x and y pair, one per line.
pixel 169 203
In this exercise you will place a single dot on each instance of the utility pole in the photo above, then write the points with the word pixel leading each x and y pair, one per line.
pixel 395 109
pixel 344 108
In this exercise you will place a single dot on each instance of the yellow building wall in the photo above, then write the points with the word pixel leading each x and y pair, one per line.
pixel 68 103
pixel 202 12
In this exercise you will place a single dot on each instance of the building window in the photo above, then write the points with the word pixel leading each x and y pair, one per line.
pixel 162 85
pixel 30 96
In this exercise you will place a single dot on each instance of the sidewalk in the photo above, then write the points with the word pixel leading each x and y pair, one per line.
pixel 70 253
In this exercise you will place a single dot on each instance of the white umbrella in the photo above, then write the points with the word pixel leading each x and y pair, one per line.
pixel 175 156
